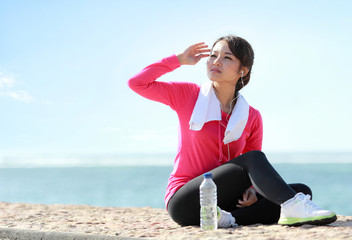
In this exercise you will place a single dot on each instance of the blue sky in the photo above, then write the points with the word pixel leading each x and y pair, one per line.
pixel 64 67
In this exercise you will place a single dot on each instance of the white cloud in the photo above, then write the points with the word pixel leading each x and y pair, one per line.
pixel 19 95
pixel 7 89
pixel 112 129
pixel 6 81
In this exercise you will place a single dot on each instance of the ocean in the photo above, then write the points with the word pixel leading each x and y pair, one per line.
pixel 126 181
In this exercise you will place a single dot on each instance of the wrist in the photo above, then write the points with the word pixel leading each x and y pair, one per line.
pixel 252 189
pixel 180 58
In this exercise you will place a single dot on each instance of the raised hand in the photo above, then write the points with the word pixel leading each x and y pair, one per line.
pixel 193 54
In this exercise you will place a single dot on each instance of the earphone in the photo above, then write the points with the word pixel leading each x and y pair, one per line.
pixel 242 79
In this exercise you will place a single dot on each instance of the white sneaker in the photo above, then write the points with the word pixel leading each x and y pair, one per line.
pixel 301 210
pixel 225 219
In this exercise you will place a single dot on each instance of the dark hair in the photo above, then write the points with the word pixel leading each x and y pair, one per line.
pixel 244 52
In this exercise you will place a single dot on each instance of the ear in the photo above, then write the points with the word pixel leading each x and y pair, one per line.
pixel 245 71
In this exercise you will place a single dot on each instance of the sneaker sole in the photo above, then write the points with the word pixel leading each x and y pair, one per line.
pixel 321 220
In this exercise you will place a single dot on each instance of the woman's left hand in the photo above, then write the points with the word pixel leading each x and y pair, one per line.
pixel 249 197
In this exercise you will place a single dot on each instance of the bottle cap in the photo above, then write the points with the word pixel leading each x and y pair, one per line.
pixel 208 175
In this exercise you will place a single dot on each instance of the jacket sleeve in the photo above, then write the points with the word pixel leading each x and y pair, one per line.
pixel 170 93
pixel 255 139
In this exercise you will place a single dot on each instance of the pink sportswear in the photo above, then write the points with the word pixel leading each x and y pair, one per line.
pixel 198 151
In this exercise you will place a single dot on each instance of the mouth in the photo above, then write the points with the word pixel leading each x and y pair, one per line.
pixel 215 70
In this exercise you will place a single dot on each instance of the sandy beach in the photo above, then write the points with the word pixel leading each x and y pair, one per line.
pixel 143 223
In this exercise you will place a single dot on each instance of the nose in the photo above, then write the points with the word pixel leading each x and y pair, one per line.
pixel 217 62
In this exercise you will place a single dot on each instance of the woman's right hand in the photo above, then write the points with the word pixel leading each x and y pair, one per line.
pixel 193 54
pixel 249 197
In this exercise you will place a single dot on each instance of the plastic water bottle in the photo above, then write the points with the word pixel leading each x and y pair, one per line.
pixel 208 203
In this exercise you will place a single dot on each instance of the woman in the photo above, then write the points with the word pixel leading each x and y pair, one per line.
pixel 220 133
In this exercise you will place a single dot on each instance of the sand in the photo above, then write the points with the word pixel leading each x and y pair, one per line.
pixel 144 223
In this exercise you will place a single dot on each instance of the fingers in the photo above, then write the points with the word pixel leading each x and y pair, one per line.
pixel 245 195
pixel 202 52
pixel 248 199
pixel 203 55
pixel 200 48
pixel 200 56
pixel 241 204
pixel 194 54
pixel 245 202
pixel 199 44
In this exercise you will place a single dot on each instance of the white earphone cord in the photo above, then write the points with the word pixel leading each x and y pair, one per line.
pixel 228 147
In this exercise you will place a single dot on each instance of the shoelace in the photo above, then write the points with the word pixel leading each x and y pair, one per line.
pixel 309 204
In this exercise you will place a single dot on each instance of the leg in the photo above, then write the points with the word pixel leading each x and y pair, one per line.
pixel 264 211
pixel 295 209
pixel 264 177
pixel 232 179
pixel 184 205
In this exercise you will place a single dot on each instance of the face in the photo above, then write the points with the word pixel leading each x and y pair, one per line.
pixel 222 65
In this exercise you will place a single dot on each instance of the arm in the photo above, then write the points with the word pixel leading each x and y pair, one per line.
pixel 145 84
pixel 254 141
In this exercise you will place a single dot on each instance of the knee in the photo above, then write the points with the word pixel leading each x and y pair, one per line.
pixel 255 156
pixel 181 214
pixel 175 213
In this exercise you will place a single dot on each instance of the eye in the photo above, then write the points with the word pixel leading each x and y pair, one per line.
pixel 228 58
pixel 212 55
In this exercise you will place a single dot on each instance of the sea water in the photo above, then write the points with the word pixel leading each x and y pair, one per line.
pixel 144 185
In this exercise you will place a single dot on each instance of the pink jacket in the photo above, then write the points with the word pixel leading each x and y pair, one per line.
pixel 198 151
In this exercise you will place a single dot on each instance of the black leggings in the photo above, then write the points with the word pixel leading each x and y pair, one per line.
pixel 232 179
